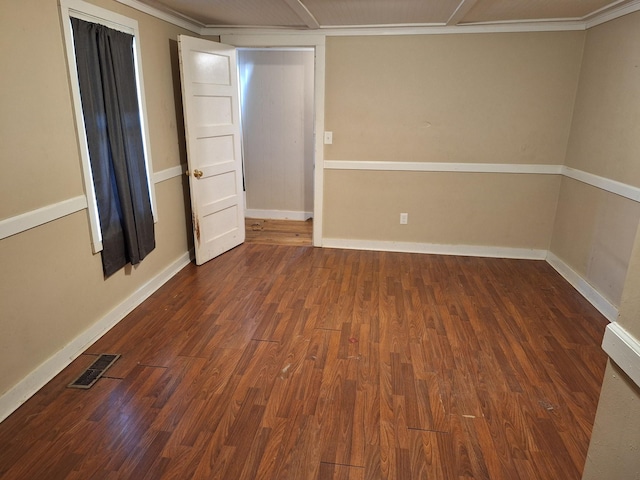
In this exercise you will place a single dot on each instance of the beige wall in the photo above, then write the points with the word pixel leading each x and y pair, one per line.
pixel 605 135
pixel 51 285
pixel 481 98
pixel 614 451
pixel 594 230
pixel 39 154
pixel 505 210
pixel 594 225
pixel 593 233
pixel 487 98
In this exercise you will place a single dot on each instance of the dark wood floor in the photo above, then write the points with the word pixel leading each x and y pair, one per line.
pixel 280 362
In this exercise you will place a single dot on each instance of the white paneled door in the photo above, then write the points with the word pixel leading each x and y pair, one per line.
pixel 212 123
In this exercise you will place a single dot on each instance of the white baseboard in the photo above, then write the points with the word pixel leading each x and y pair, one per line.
pixel 624 349
pixel 277 214
pixel 33 382
pixel 594 297
pixel 437 249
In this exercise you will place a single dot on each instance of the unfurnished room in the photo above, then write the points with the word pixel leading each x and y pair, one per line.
pixel 307 239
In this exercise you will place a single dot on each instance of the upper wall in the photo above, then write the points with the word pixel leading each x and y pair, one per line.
pixel 605 135
pixel 486 98
pixel 40 162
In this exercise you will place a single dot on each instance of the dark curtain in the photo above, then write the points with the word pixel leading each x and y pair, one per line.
pixel 107 78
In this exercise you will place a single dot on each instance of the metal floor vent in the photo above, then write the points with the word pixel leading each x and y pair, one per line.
pixel 95 371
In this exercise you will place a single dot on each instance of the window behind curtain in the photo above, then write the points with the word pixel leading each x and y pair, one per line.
pixel 107 80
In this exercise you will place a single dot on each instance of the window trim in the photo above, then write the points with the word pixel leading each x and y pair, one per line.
pixel 91 13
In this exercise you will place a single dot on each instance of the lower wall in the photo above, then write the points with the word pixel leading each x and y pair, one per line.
pixel 594 233
pixel 447 208
pixel 614 451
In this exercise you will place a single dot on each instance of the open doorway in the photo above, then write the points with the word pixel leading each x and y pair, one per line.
pixel 277 105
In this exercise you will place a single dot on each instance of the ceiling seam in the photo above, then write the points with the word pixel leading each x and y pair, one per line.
pixel 301 10
pixel 463 8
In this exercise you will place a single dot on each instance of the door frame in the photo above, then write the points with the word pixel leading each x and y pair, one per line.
pixel 318 43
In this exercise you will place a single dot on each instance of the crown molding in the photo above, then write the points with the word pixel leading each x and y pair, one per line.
pixel 610 13
pixel 464 7
pixel 606 14
pixel 439 29
pixel 303 13
pixel 173 18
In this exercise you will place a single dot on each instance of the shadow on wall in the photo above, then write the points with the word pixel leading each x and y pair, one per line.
pixel 182 142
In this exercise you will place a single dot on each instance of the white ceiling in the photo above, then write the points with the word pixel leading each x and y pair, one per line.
pixel 315 14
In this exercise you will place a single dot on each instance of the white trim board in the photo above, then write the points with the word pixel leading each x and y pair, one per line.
pixel 624 349
pixel 20 223
pixel 28 220
pixel 169 173
pixel 583 287
pixel 436 249
pixel 33 382
pixel 34 218
pixel 443 167
pixel 277 214
pixel 613 186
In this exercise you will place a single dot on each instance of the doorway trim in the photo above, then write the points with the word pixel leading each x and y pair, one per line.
pixel 318 43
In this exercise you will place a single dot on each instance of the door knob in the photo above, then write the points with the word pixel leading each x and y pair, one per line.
pixel 197 173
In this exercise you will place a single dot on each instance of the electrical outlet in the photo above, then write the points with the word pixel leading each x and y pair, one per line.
pixel 404 218
pixel 328 138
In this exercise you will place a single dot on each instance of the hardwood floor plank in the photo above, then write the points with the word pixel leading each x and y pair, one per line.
pixel 330 471
pixel 300 457
pixel 289 362
pixel 278 232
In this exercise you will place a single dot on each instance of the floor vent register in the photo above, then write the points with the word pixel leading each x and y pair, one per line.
pixel 95 371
